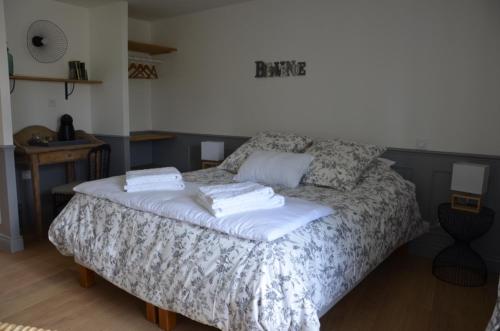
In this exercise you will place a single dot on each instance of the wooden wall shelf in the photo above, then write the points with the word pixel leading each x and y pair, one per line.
pixel 54 80
pixel 150 49
pixel 67 92
pixel 151 136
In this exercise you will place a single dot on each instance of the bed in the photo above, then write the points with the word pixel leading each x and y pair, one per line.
pixel 494 323
pixel 238 284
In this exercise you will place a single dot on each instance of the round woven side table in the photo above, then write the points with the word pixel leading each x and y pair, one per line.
pixel 459 264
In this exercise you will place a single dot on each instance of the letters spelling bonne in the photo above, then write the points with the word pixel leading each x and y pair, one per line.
pixel 279 69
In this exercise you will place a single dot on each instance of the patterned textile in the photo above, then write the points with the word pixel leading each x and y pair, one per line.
pixel 265 141
pixel 238 284
pixel 339 164
pixel 494 324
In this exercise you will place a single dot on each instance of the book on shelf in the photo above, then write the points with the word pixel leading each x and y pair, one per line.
pixel 83 71
pixel 77 70
pixel 78 73
pixel 73 69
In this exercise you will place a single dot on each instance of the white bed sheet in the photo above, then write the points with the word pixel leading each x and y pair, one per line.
pixel 261 225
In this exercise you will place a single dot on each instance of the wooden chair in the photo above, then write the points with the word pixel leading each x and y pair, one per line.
pixel 98 160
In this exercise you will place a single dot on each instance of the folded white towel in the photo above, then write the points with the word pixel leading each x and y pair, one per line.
pixel 229 194
pixel 275 201
pixel 231 203
pixel 150 179
pixel 152 176
pixel 166 186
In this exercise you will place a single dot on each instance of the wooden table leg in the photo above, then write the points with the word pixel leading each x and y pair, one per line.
pixel 35 182
pixel 151 313
pixel 87 277
pixel 70 172
pixel 167 319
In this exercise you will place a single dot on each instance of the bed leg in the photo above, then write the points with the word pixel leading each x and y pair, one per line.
pixel 151 313
pixel 167 319
pixel 87 277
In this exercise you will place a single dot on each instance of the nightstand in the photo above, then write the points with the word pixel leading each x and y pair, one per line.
pixel 459 264
pixel 209 164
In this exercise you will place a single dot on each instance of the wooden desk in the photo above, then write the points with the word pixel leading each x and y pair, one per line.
pixel 33 157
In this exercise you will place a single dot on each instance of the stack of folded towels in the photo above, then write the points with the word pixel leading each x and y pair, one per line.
pixel 228 199
pixel 160 179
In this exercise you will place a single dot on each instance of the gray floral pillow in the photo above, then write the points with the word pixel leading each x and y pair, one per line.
pixel 339 163
pixel 265 141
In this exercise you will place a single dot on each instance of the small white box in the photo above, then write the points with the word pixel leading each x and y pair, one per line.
pixel 212 150
pixel 470 178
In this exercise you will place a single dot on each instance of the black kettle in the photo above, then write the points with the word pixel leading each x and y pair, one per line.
pixel 66 129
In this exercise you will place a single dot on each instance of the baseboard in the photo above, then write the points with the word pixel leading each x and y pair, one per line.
pixel 11 245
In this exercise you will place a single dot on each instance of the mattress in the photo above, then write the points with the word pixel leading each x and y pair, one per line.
pixel 239 284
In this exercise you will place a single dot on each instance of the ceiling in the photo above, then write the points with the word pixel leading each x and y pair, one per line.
pixel 155 9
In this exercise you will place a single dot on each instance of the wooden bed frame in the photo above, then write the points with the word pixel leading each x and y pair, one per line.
pixel 165 319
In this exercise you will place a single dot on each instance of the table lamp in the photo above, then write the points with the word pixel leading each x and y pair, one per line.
pixel 212 150
pixel 469 183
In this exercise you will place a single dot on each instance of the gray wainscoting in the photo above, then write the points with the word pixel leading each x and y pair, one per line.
pixel 141 154
pixel 120 153
pixel 10 238
pixel 50 176
pixel 184 152
pixel 430 171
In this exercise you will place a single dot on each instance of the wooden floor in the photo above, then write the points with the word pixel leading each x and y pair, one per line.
pixel 39 287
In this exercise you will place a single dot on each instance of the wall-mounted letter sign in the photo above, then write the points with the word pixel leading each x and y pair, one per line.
pixel 279 69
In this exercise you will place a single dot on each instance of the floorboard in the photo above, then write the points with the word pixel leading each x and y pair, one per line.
pixel 40 287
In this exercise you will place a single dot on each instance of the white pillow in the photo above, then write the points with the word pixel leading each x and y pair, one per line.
pixel 274 168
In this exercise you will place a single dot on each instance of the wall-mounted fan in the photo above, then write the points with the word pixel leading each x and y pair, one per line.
pixel 46 41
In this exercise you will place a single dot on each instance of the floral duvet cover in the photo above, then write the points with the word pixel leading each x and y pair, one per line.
pixel 494 323
pixel 237 284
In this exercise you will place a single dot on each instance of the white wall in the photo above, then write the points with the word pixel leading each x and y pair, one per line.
pixel 33 102
pixel 389 72
pixel 139 30
pixel 140 89
pixel 108 52
pixel 5 112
